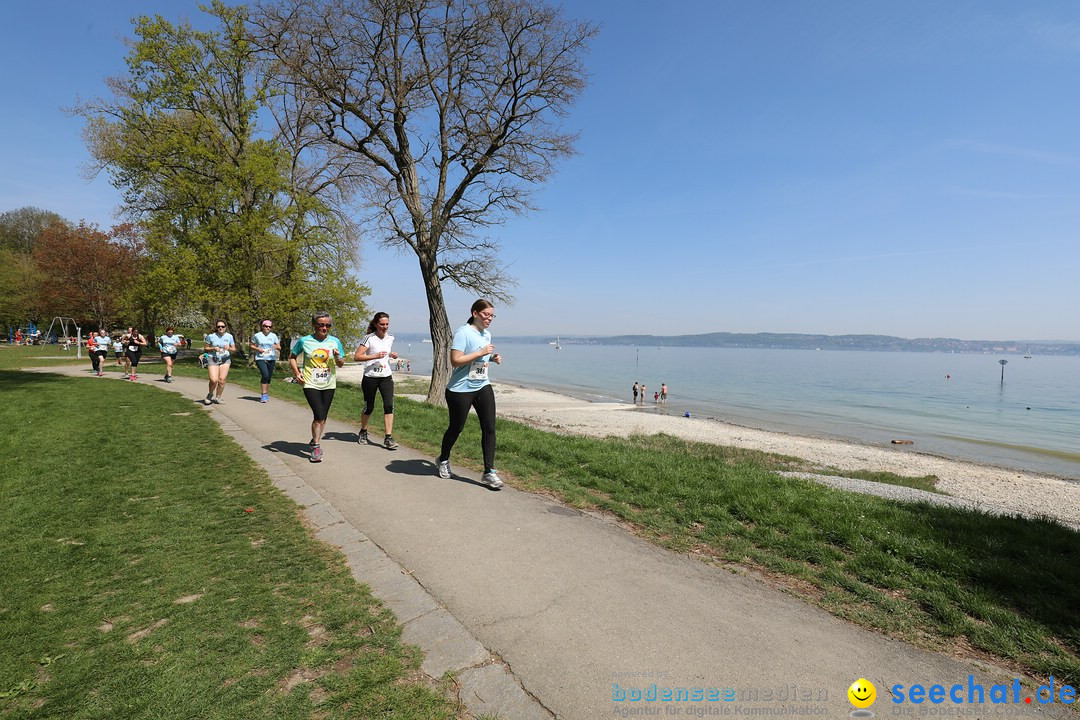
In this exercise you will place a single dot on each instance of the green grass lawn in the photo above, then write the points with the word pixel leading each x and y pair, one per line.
pixel 150 570
pixel 948 579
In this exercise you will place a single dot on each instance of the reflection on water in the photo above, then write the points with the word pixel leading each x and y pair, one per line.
pixel 949 404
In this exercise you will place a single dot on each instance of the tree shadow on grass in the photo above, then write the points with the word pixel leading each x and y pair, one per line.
pixel 18 379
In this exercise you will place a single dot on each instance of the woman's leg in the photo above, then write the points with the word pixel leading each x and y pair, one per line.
pixel 168 365
pixel 368 386
pixel 212 371
pixel 266 372
pixel 484 403
pixel 458 404
pixel 386 389
pixel 320 401
pixel 223 372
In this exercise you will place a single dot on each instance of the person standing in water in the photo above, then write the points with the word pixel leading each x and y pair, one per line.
pixel 469 387
pixel 376 352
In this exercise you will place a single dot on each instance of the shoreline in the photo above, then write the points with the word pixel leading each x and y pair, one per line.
pixel 994 487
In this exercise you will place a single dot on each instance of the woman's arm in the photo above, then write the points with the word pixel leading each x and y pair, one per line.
pixel 361 354
pixel 460 359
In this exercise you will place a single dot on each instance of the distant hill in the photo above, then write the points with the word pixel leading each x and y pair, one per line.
pixel 798 341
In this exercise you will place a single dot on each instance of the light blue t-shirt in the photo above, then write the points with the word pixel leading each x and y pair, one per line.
pixel 221 343
pixel 266 342
pixel 471 377
pixel 101 343
pixel 168 343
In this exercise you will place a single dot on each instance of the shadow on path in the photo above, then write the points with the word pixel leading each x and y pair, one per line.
pixel 300 450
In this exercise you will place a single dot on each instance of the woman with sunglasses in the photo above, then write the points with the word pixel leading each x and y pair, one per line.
pixel 266 345
pixel 469 387
pixel 376 353
pixel 323 355
pixel 219 347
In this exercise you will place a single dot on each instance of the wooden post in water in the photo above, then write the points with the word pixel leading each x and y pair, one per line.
pixel 1003 364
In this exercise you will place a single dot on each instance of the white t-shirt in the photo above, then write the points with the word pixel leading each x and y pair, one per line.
pixel 375 345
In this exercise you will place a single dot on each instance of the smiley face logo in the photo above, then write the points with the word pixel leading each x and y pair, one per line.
pixel 320 357
pixel 862 693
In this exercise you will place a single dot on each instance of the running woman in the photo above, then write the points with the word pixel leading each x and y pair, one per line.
pixel 323 355
pixel 124 338
pixel 169 344
pixel 376 352
pixel 469 387
pixel 133 352
pixel 219 347
pixel 101 350
pixel 266 345
pixel 118 348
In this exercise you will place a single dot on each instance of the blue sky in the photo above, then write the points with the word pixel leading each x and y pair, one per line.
pixel 904 168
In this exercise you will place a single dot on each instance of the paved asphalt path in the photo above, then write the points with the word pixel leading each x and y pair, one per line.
pixel 571 607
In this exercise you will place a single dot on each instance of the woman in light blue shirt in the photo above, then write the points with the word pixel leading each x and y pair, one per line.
pixel 266 345
pixel 469 387
pixel 169 344
pixel 218 347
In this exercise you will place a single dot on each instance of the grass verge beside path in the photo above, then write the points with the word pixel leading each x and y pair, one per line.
pixel 1001 588
pixel 152 571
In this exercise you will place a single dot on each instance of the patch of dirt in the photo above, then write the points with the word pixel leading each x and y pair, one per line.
pixel 140 634
pixel 187 599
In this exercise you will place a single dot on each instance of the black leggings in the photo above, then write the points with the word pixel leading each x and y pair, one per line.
pixel 266 370
pixel 385 386
pixel 134 358
pixel 459 403
pixel 99 358
pixel 319 400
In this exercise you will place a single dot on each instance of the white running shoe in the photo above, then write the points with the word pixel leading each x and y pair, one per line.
pixel 491 479
pixel 444 470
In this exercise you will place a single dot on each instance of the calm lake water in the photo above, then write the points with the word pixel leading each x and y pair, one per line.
pixel 948 404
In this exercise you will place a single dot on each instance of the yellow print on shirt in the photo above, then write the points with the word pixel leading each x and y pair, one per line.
pixel 320 358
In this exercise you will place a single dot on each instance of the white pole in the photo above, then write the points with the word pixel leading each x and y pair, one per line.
pixel 78 342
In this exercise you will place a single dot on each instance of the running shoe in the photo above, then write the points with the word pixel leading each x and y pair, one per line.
pixel 316 454
pixel 389 444
pixel 491 479
pixel 100 374
pixel 217 401
pixel 134 376
pixel 444 470
pixel 264 398
pixel 168 378
pixel 209 399
pixel 363 438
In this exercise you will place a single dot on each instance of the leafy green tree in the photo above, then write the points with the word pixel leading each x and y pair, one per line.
pixel 452 108
pixel 19 229
pixel 19 302
pixel 227 230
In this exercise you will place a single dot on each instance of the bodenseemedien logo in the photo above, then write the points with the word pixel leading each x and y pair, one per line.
pixel 862 695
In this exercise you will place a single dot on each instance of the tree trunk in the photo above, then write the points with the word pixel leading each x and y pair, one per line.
pixel 439 325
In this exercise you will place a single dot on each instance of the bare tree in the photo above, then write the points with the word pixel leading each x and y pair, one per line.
pixel 453 105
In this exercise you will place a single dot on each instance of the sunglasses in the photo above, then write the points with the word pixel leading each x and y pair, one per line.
pixel 220 327
pixel 321 325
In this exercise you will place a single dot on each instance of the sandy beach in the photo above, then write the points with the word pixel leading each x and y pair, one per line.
pixel 982 485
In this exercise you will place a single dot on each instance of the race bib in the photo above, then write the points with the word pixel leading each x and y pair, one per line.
pixel 133 348
pixel 378 369
pixel 478 370
pixel 266 352
pixel 320 376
